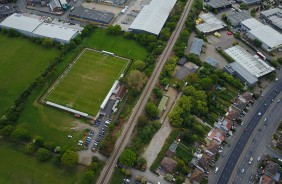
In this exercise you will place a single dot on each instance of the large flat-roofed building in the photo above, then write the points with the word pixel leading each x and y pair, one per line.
pixel 211 23
pixel 270 38
pixel 95 16
pixel 152 17
pixel 36 28
pixel 274 17
pixel 251 2
pixel 219 4
pixel 236 70
pixel 237 17
pixel 253 64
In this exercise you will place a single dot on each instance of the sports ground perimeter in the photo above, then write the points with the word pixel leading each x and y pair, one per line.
pixel 85 83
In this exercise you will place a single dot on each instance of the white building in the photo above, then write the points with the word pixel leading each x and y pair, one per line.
pixel 211 23
pixel 270 38
pixel 253 64
pixel 152 17
pixel 36 28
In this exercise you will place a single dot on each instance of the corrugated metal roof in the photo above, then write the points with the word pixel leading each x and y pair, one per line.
pixel 211 23
pixel 152 17
pixel 196 46
pixel 268 36
pixel 252 23
pixel 252 64
pixel 55 31
pixel 211 61
pixel 20 22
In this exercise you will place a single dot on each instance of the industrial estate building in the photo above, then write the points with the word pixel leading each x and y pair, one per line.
pixel 112 2
pixel 211 23
pixel 212 61
pixel 219 4
pixel 96 16
pixel 36 28
pixel 152 17
pixel 274 17
pixel 253 64
pixel 270 38
pixel 250 2
pixel 196 47
pixel 237 17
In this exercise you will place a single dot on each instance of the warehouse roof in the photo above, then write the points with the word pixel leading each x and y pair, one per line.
pixel 219 3
pixel 152 17
pixel 20 22
pixel 252 23
pixel 104 17
pixel 249 2
pixel 274 16
pixel 237 17
pixel 211 23
pixel 242 72
pixel 268 36
pixel 252 64
pixel 196 46
pixel 55 31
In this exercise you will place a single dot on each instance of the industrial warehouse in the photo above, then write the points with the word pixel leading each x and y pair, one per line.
pixel 37 28
pixel 270 38
pixel 210 23
pixel 152 17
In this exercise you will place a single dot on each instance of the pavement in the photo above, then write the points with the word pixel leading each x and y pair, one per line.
pixel 240 139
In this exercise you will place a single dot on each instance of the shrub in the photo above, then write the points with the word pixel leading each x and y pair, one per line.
pixel 43 154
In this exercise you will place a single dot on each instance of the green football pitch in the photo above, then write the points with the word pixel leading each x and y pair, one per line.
pixel 87 83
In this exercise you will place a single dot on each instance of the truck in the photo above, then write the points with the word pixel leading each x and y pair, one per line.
pixel 261 55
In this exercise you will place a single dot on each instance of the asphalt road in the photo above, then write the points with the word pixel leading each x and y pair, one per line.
pixel 138 109
pixel 252 124
pixel 259 144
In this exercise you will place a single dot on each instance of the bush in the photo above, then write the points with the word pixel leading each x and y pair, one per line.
pixel 43 154
pixel 151 110
pixel 69 158
pixel 21 134
pixel 29 148
pixel 7 130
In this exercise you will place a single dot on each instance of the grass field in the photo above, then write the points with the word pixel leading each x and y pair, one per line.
pixel 100 40
pixel 21 61
pixel 17 167
pixel 88 82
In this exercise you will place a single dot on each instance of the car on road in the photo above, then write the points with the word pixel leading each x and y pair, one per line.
pixel 258 159
pixel 278 101
pixel 216 170
pixel 264 119
pixel 242 170
pixel 259 113
pixel 251 160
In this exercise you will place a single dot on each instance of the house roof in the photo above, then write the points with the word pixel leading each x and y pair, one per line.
pixel 216 134
pixel 204 162
pixel 225 124
pixel 212 148
pixel 182 61
pixel 247 96
pixel 271 168
pixel 266 180
pixel 121 92
pixel 232 114
pixel 168 164
pixel 196 176
pixel 239 104
pixel 169 153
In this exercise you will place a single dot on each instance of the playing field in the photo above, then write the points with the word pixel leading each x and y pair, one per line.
pixel 21 61
pixel 87 83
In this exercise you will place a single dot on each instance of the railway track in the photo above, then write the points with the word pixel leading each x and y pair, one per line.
pixel 128 129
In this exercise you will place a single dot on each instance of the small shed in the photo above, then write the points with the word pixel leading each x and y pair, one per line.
pixel 212 61
pixel 182 61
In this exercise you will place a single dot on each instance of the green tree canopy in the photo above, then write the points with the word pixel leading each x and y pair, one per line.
pixel 136 80
pixel 138 65
pixel 69 158
pixel 128 157
pixel 151 110
pixel 21 134
pixel 29 148
pixel 43 154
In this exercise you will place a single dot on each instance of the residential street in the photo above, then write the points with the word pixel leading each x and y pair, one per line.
pixel 237 143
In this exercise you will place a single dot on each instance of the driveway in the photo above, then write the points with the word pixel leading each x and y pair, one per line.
pixel 151 177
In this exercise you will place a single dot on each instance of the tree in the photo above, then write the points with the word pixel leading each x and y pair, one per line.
pixel 244 6
pixel 142 121
pixel 175 117
pixel 136 80
pixel 7 130
pixel 279 60
pixel 223 17
pixel 115 30
pixel 43 154
pixel 206 83
pixel 88 177
pixel 21 134
pixel 257 43
pixel 47 42
pixel 128 157
pixel 29 148
pixel 38 141
pixel 138 65
pixel 69 158
pixel 253 12
pixel 165 34
pixel 152 110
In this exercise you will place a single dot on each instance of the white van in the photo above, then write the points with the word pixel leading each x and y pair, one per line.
pixel 216 169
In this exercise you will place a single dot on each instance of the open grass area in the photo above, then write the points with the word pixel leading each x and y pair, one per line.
pixel 88 82
pixel 184 152
pixel 21 61
pixel 100 40
pixel 18 167
pixel 117 176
